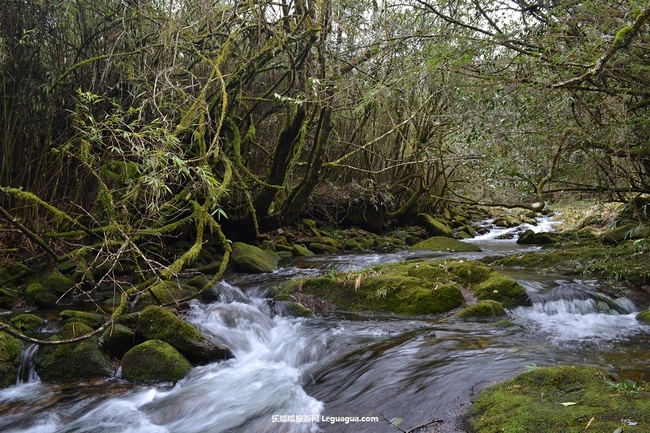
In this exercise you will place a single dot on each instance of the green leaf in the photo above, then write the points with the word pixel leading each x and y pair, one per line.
pixel 396 421
pixel 569 403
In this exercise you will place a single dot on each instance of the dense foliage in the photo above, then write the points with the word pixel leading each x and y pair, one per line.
pixel 124 123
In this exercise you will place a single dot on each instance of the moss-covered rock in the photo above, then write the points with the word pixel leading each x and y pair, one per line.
pixel 93 320
pixel 154 361
pixel 435 226
pixel 8 298
pixel 441 243
pixel 501 288
pixel 198 282
pixel 529 237
pixel 58 283
pixel 83 360
pixel 310 228
pixel 320 248
pixel 27 323
pixel 301 251
pixel 644 316
pixel 167 292
pixel 250 258
pixel 14 274
pixel 157 323
pixel 119 339
pixel 296 309
pixel 560 399
pixel 483 310
pixel 36 294
pixel 10 349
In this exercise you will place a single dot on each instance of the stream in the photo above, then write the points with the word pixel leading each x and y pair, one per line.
pixel 345 372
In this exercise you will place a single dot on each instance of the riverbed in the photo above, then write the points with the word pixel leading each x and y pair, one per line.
pixel 344 372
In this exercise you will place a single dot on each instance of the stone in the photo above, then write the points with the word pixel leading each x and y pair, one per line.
pixel 252 259
pixel 154 361
pixel 442 243
pixel 483 310
pixel 10 349
pixel 301 251
pixel 157 323
pixel 91 319
pixel 167 292
pixel 83 360
pixel 529 237
pixel 119 339
pixel 435 226
pixel 27 323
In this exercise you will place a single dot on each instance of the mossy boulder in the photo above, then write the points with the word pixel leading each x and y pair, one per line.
pixel 154 361
pixel 157 323
pixel 198 282
pixel 27 323
pixel 119 339
pixel 441 243
pixel 301 251
pixel 296 309
pixel 644 316
pixel 252 259
pixel 167 292
pixel 36 294
pixel 83 360
pixel 14 274
pixel 58 283
pixel 560 399
pixel 320 248
pixel 483 310
pixel 501 288
pixel 93 320
pixel 310 227
pixel 529 237
pixel 8 298
pixel 387 293
pixel 10 349
pixel 435 226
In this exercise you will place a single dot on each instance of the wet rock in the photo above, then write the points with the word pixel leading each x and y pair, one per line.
pixel 483 310
pixel 301 251
pixel 154 361
pixel 644 316
pixel 624 233
pixel 83 360
pixel 310 227
pixel 27 323
pixel 499 287
pixel 166 292
pixel 321 248
pixel 10 349
pixel 198 282
pixel 91 319
pixel 250 258
pixel 529 237
pixel 435 226
pixel 58 283
pixel 441 243
pixel 119 339
pixel 37 295
pixel 157 323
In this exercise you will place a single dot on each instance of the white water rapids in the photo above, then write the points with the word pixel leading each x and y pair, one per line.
pixel 386 367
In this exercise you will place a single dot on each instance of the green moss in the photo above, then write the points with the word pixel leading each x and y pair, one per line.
pixel 483 309
pixel 27 322
pixel 249 258
pixel 9 359
pixel 37 295
pixel 91 319
pixel 532 402
pixel 167 292
pixel 644 316
pixel 154 360
pixel 499 287
pixel 118 339
pixel 504 324
pixel 300 251
pixel 198 282
pixel 441 243
pixel 157 323
pixel 8 298
pixel 75 361
pixel 435 226
pixel 58 283
pixel 296 309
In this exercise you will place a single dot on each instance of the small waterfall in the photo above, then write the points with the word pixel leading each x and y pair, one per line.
pixel 26 371
pixel 576 310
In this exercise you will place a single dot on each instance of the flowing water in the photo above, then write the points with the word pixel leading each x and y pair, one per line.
pixel 326 374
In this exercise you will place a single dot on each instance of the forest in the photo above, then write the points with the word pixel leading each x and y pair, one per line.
pixel 124 123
